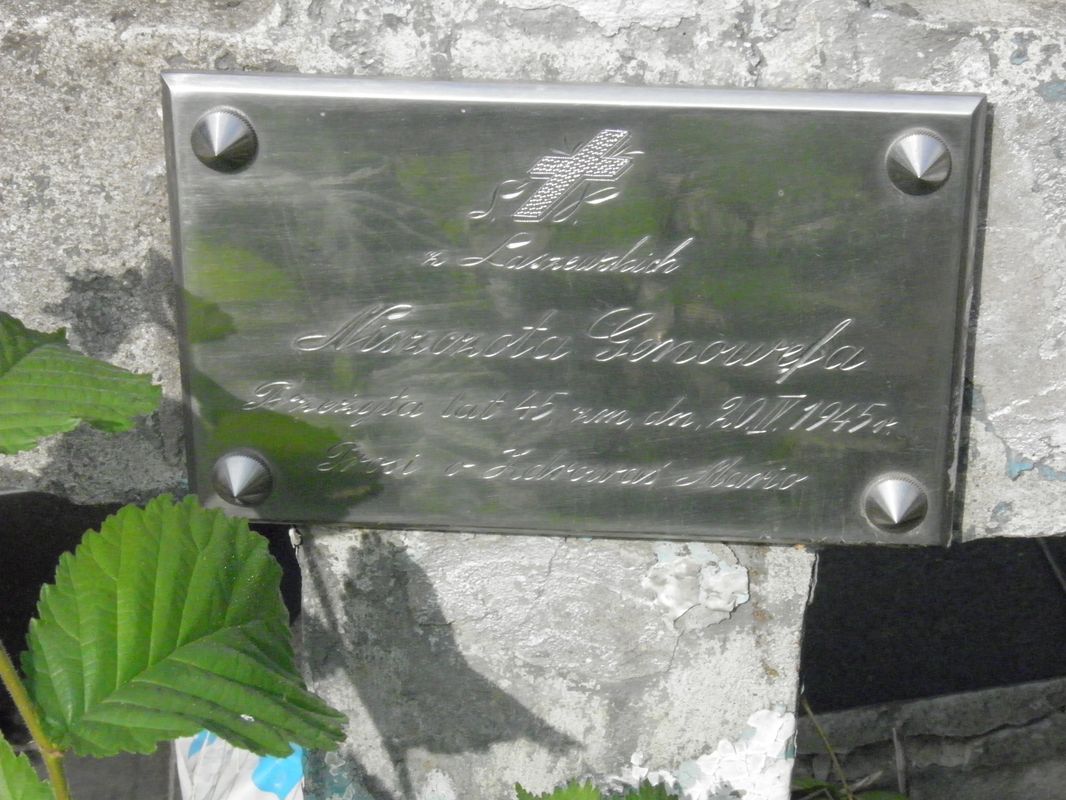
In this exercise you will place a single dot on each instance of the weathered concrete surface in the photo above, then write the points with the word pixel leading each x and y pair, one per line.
pixel 467 663
pixel 995 744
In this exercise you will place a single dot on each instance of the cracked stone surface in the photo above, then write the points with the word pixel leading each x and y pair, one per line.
pixel 494 659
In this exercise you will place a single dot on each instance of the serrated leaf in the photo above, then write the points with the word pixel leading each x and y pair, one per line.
pixel 18 779
pixel 648 792
pixel 47 388
pixel 167 621
pixel 572 791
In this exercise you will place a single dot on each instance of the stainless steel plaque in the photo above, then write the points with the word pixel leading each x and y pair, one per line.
pixel 596 310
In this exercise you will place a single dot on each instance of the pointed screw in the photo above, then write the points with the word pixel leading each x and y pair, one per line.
pixel 895 503
pixel 918 163
pixel 242 478
pixel 224 140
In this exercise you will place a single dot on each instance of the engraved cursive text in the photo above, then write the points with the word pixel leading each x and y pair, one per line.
pixel 621 330
pixel 371 330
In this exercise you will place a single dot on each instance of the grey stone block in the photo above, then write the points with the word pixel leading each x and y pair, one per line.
pixel 467 663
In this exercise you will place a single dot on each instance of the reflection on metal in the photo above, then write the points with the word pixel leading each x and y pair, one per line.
pixel 612 310
pixel 895 504
pixel 919 163
pixel 224 140
pixel 242 478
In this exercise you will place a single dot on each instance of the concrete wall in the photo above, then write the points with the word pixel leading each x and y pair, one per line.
pixel 566 647
pixel 468 663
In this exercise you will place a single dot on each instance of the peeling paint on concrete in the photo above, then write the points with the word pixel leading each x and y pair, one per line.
pixel 503 659
pixel 1052 91
pixel 756 766
pixel 1018 465
pixel 1032 510
pixel 696 584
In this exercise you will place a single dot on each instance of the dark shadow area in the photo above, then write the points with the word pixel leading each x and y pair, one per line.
pixel 102 311
pixel 105 308
pixel 391 640
pixel 281 548
pixel 890 624
pixel 35 529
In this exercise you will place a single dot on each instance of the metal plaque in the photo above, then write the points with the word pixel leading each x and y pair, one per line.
pixel 595 310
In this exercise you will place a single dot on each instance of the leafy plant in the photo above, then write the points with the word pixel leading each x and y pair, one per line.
pixel 586 791
pixel 47 388
pixel 167 620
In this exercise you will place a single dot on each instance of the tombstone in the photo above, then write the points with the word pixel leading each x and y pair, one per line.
pixel 87 243
pixel 547 348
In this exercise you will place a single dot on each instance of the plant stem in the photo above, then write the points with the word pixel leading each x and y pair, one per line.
pixel 53 756
pixel 829 749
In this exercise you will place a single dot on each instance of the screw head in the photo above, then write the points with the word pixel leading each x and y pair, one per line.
pixel 918 162
pixel 895 503
pixel 242 478
pixel 224 140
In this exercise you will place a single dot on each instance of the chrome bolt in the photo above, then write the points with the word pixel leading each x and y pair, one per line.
pixel 224 140
pixel 918 162
pixel 895 503
pixel 242 478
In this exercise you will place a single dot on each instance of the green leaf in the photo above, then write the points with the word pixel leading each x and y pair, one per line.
pixel 880 794
pixel 648 792
pixel 167 621
pixel 205 321
pixel 18 779
pixel 572 791
pixel 811 784
pixel 47 388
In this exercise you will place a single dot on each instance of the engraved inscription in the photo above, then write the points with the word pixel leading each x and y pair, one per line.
pixel 622 328
pixel 516 190
pixel 748 415
pixel 285 397
pixel 345 456
pixel 526 466
pixel 370 330
pixel 726 474
pixel 688 314
pixel 755 415
pixel 513 254
pixel 596 160
pixel 639 259
pixel 733 473
pixel 578 435
pixel 523 465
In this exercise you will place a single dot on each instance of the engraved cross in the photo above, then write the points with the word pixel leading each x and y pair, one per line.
pixel 594 161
